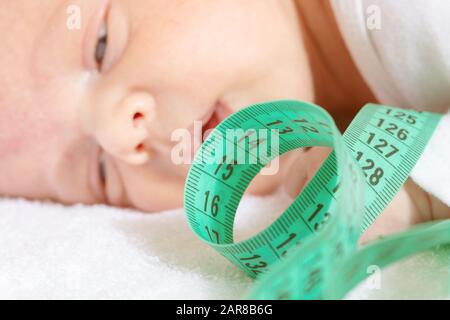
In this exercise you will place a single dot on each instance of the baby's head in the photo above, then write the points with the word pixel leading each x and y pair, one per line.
pixel 89 84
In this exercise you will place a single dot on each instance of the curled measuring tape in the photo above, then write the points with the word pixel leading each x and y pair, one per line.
pixel 311 251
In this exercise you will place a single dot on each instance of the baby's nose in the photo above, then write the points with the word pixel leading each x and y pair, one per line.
pixel 125 134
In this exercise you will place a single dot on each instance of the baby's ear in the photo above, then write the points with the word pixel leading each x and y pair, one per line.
pixel 303 169
pixel 124 133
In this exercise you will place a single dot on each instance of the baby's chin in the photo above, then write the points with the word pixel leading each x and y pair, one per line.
pixel 157 203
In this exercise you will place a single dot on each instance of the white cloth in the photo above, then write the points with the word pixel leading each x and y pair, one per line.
pixel 48 251
pixel 402 49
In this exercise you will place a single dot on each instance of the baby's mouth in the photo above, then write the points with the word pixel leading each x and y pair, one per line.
pixel 220 112
pixel 209 126
pixel 201 129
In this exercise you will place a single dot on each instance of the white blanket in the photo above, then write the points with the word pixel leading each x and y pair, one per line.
pixel 48 251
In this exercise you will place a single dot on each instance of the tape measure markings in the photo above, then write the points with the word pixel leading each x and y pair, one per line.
pixel 324 219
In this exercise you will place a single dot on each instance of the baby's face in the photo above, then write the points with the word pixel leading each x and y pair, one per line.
pixel 83 124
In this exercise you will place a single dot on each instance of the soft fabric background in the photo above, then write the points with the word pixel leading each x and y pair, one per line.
pixel 406 62
pixel 48 251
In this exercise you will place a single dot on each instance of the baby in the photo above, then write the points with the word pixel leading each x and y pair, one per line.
pixel 91 91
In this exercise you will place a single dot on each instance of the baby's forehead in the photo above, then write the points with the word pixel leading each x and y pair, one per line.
pixel 27 24
pixel 22 26
pixel 35 38
pixel 22 17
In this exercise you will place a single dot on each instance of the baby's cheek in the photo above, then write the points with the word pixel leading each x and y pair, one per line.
pixel 271 177
pixel 265 184
pixel 305 164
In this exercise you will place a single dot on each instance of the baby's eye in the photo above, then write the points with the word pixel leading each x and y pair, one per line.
pixel 102 45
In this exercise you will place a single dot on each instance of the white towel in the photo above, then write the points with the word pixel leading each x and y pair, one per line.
pixel 402 49
pixel 48 251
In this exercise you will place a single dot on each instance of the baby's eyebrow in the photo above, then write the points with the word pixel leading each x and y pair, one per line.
pixel 55 21
pixel 42 33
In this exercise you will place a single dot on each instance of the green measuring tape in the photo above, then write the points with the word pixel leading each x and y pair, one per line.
pixel 311 251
